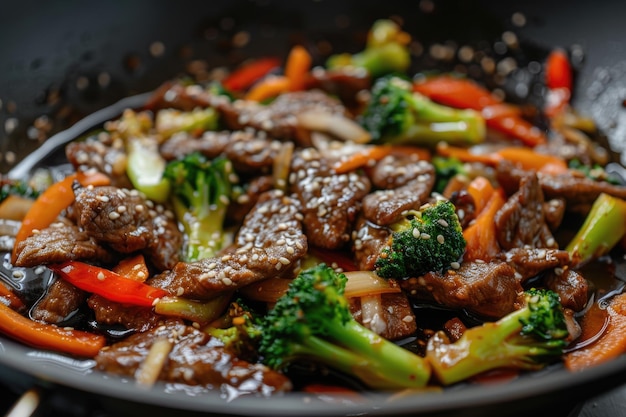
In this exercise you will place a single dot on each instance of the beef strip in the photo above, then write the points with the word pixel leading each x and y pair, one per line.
pixel 553 213
pixel 404 183
pixel 398 319
pixel 530 262
pixel 521 219
pixel 269 243
pixel 571 286
pixel 130 317
pixel 195 359
pixel 367 243
pixel 60 301
pixel 241 205
pixel 109 158
pixel 487 289
pixel 60 242
pixel 578 192
pixel 330 202
pixel 127 222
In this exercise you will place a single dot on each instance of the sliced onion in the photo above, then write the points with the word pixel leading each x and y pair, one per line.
pixel 337 125
pixel 282 166
pixel 14 207
pixel 372 315
pixel 196 311
pixel 367 283
pixel 149 370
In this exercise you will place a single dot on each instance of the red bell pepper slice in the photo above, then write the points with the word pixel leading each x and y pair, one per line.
pixel 108 284
pixel 559 81
pixel 243 77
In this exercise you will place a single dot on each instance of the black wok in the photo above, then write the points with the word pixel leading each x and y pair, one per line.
pixel 62 61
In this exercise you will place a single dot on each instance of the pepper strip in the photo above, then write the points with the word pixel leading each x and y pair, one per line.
pixel 108 284
pixel 49 336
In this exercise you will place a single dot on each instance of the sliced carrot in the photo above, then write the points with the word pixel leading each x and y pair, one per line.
pixel 366 155
pixel 480 235
pixel 467 155
pixel 610 345
pixel 481 190
pixel 134 268
pixel 52 202
pixel 268 88
pixel 11 299
pixel 49 336
pixel 297 67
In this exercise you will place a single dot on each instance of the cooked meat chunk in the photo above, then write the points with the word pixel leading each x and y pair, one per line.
pixel 404 183
pixel 60 301
pixel 109 158
pixel 396 320
pixel 487 289
pixel 243 203
pixel 571 286
pixel 269 243
pixel 342 83
pixel 330 202
pixel 60 242
pixel 553 212
pixel 529 262
pixel 194 359
pixel 521 220
pixel 279 119
pixel 127 222
pixel 249 151
pixel 367 243
pixel 111 313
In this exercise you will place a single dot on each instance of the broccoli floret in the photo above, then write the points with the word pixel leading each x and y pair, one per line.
pixel 396 114
pixel 201 190
pixel 312 321
pixel 526 339
pixel 241 331
pixel 422 241
pixel 386 51
pixel 17 188
pixel 595 172
pixel 445 170
pixel 603 228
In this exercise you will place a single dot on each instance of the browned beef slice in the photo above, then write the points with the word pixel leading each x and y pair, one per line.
pixel 344 83
pixel 553 212
pixel 576 190
pixel 127 222
pixel 330 202
pixel 269 243
pixel 210 144
pixel 109 158
pixel 58 303
pixel 195 359
pixel 367 242
pixel 572 287
pixel 130 317
pixel 404 183
pixel 530 262
pixel 488 289
pixel 60 242
pixel 279 119
pixel 241 205
pixel 398 319
pixel 521 219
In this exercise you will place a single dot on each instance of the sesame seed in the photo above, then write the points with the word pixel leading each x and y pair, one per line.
pixel 226 258
pixel 17 274
pixel 278 266
pixel 443 223
pixel 180 291
pixel 139 208
pixel 425 236
pixel 100 276
pixel 440 239
pixel 284 260
pixel 227 281
pixel 416 233
pixel 121 209
pixel 114 215
pixel 407 319
pixel 455 265
pixel 102 198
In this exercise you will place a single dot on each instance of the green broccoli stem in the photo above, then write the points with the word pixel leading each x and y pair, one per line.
pixel 603 227
pixel 380 363
pixel 145 168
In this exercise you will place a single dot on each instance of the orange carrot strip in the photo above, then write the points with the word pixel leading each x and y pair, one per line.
pixel 297 67
pixel 466 154
pixel 609 346
pixel 268 87
pixel 481 234
pixel 52 202
pixel 481 190
pixel 363 157
pixel 49 336
pixel 134 268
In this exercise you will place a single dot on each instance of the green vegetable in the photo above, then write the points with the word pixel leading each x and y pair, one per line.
pixel 595 172
pixel 603 227
pixel 398 115
pixel 243 334
pixel 171 121
pixel 18 188
pixel 422 241
pixel 312 321
pixel 145 168
pixel 445 170
pixel 386 51
pixel 527 339
pixel 201 191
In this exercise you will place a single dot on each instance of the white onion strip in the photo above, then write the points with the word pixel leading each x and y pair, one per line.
pixel 337 125
pixel 367 283
pixel 372 314
pixel 149 370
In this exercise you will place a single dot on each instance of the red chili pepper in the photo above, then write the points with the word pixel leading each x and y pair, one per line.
pixel 466 94
pixel 559 80
pixel 108 284
pixel 249 73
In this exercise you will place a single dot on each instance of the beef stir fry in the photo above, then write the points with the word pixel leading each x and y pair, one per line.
pixel 404 231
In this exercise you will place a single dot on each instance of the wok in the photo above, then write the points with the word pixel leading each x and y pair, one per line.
pixel 64 61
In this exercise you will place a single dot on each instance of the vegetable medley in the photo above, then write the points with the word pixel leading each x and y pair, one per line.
pixel 352 223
